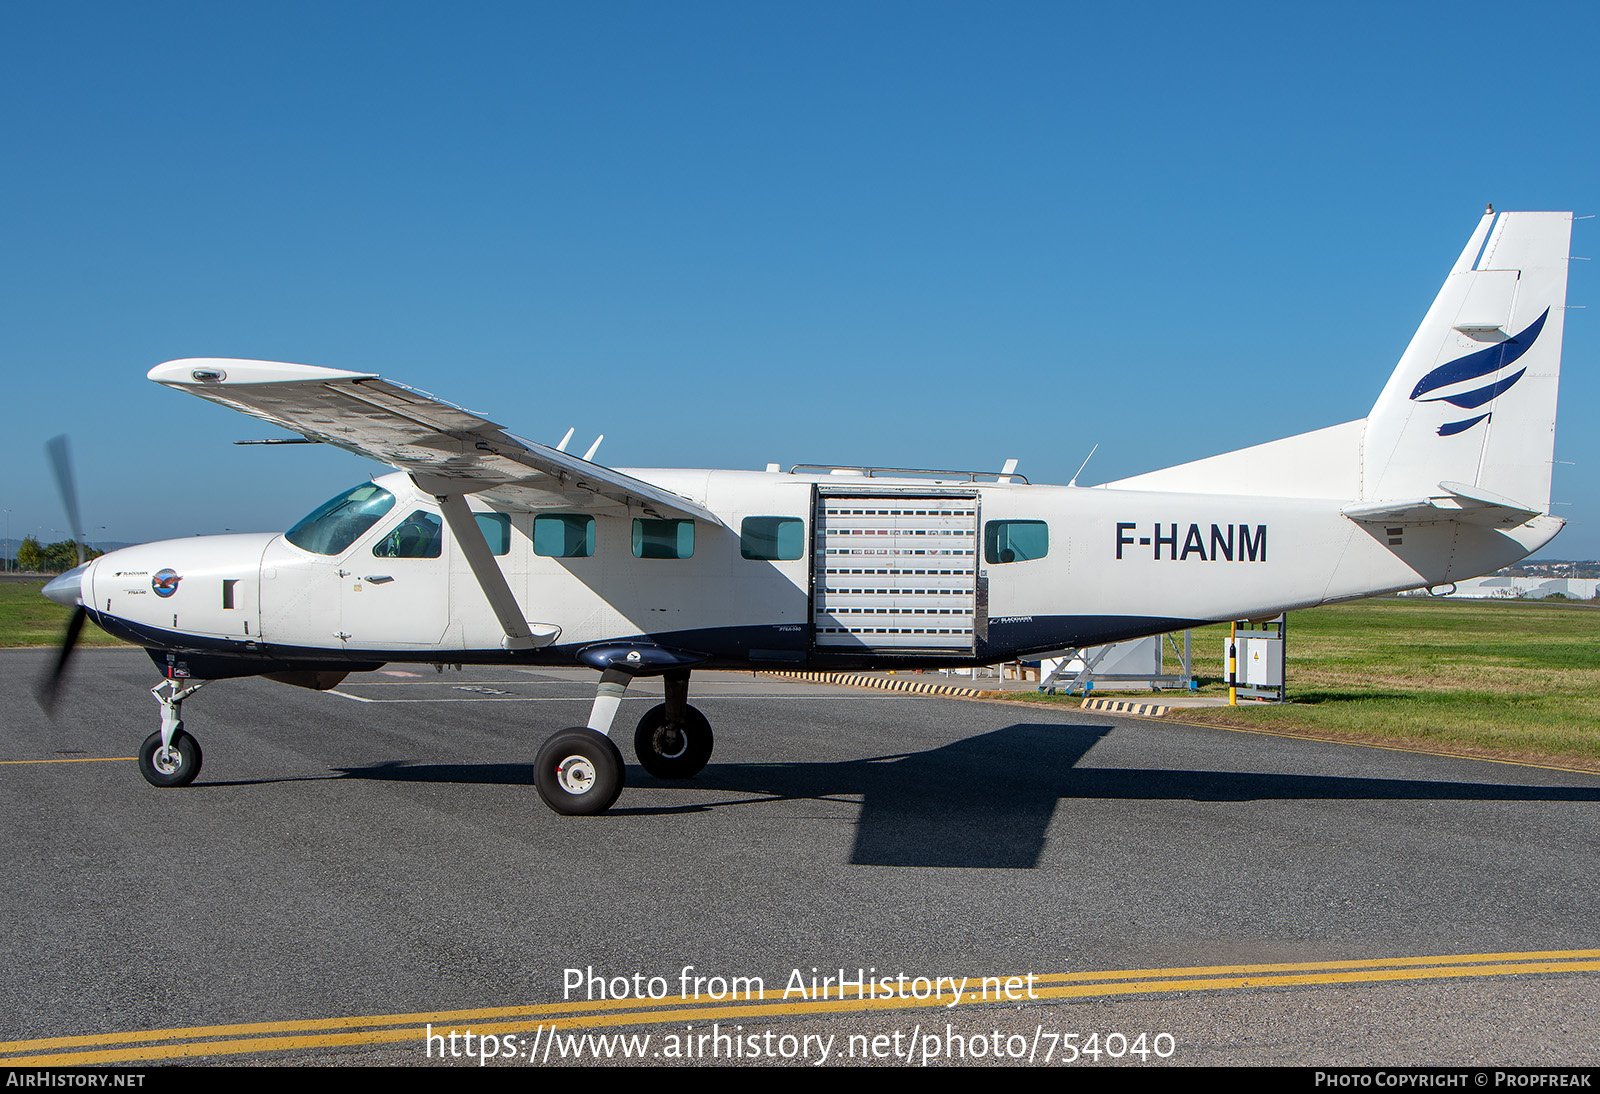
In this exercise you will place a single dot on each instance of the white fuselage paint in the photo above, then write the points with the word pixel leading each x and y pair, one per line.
pixel 1182 557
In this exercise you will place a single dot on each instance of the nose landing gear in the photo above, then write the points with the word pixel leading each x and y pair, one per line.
pixel 170 757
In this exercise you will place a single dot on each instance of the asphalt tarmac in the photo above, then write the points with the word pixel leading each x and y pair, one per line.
pixel 376 858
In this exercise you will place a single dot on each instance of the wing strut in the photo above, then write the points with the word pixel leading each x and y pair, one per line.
pixel 520 634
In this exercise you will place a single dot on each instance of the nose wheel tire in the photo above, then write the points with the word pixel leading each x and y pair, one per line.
pixel 579 773
pixel 175 765
pixel 673 752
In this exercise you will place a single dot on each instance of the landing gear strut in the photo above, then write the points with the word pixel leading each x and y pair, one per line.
pixel 674 739
pixel 580 771
pixel 170 757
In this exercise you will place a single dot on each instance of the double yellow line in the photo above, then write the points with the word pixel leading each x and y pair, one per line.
pixel 194 1042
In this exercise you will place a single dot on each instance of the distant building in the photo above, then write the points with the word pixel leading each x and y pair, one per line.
pixel 1527 588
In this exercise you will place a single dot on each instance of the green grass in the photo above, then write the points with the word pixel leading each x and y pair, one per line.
pixel 28 619
pixel 1511 678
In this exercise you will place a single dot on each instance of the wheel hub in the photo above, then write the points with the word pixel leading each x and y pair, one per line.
pixel 575 774
pixel 671 742
pixel 167 760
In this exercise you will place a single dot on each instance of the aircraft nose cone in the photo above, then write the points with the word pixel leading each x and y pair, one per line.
pixel 67 590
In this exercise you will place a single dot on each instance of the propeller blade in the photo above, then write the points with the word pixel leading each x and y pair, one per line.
pixel 50 684
pixel 61 461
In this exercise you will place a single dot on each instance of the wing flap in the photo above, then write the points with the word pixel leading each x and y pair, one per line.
pixel 417 432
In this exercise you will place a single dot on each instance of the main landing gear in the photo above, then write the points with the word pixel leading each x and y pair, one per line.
pixel 169 756
pixel 579 772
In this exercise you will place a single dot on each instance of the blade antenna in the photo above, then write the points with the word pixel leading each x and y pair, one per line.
pixel 1074 480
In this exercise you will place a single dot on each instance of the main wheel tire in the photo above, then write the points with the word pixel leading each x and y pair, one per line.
pixel 579 772
pixel 177 765
pixel 673 752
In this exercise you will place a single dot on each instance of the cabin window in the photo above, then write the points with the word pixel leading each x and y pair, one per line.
pixel 772 539
pixel 1015 540
pixel 337 523
pixel 563 535
pixel 496 529
pixel 418 536
pixel 663 538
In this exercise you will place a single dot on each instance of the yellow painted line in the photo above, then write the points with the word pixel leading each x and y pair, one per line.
pixel 556 1009
pixel 75 760
pixel 247 1037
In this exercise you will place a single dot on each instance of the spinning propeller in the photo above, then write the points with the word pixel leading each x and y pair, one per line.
pixel 64 590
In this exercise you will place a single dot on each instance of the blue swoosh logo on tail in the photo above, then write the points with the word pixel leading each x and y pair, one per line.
pixel 1471 400
pixel 1450 429
pixel 1474 365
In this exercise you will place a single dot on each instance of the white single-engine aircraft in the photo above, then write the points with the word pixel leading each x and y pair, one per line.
pixel 486 548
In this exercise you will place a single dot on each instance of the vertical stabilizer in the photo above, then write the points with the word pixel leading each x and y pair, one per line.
pixel 1473 400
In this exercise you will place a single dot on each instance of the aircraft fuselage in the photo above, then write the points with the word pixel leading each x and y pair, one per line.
pixel 805 572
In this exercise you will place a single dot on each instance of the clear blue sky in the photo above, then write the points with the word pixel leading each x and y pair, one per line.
pixel 918 234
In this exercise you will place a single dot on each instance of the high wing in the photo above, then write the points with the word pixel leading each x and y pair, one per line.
pixel 417 432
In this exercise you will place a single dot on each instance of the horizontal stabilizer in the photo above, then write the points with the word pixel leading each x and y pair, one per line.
pixel 1468 504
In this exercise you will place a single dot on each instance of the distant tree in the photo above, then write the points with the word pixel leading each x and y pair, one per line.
pixel 30 556
pixel 63 555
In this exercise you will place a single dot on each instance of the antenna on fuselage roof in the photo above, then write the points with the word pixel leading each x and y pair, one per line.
pixel 1005 472
pixel 1074 480
pixel 593 448
pixel 562 447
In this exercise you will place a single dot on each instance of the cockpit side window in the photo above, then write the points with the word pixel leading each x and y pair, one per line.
pixel 337 523
pixel 418 536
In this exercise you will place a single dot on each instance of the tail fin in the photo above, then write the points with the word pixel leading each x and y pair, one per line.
pixel 1473 400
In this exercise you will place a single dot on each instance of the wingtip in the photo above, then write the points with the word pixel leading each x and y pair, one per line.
pixel 213 371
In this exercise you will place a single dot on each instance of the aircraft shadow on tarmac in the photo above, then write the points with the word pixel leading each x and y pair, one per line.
pixel 986 801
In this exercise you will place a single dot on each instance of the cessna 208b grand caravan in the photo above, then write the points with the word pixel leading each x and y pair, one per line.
pixel 486 548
